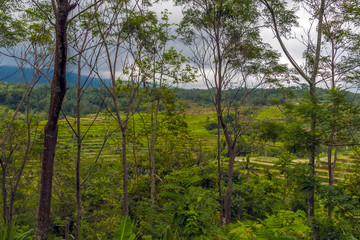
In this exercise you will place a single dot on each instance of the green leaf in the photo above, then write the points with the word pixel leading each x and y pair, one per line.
pixel 124 231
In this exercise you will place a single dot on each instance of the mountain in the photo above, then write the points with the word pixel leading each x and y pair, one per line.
pixel 13 74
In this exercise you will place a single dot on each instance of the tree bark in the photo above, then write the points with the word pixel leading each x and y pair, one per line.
pixel 232 154
pixel 227 200
pixel 153 136
pixel 218 156
pixel 123 127
pixel 78 159
pixel 125 174
pixel 312 148
pixel 4 192
pixel 331 173
pixel 58 91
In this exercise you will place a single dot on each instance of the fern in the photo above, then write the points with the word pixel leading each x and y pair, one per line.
pixel 285 225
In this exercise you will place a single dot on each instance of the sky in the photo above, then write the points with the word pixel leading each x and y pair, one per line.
pixel 294 46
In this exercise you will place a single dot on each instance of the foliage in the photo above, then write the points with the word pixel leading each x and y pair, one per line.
pixel 270 131
pixel 269 194
pixel 190 206
pixel 125 230
pixel 16 233
pixel 285 225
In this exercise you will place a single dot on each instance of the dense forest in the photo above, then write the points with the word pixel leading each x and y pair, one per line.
pixel 103 137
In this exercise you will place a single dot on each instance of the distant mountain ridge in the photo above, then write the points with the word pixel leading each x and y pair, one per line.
pixel 13 74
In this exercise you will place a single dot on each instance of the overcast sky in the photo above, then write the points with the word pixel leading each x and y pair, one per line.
pixel 294 46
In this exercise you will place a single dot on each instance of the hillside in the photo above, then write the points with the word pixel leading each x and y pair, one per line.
pixel 12 74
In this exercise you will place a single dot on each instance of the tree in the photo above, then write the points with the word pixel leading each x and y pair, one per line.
pixel 338 71
pixel 87 52
pixel 17 139
pixel 281 20
pixel 338 127
pixel 229 54
pixel 112 32
pixel 12 29
pixel 159 66
pixel 61 16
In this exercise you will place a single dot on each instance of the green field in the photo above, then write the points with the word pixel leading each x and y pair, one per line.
pixel 196 119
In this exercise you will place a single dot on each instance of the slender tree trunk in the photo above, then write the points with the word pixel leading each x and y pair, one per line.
pixel 4 192
pixel 58 91
pixel 331 173
pixel 332 134
pixel 67 231
pixel 231 151
pixel 123 127
pixel 218 156
pixel 311 193
pixel 152 157
pixel 134 150
pixel 125 174
pixel 78 159
pixel 313 118
pixel 153 126
pixel 227 200
pixel 330 165
pixel 331 180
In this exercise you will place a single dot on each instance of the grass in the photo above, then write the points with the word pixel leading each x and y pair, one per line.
pixel 196 119
pixel 269 113
pixel 341 169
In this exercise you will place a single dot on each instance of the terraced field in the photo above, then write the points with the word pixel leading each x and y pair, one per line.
pixel 345 165
pixel 196 118
pixel 97 130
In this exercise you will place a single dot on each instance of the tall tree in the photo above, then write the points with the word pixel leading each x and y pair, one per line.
pixel 337 71
pixel 29 53
pixel 227 49
pixel 62 10
pixel 86 52
pixel 111 31
pixel 60 19
pixel 281 20
pixel 158 65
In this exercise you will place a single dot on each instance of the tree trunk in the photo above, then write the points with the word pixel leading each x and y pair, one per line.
pixel 67 231
pixel 331 174
pixel 153 126
pixel 58 91
pixel 329 155
pixel 134 150
pixel 231 151
pixel 312 147
pixel 227 200
pixel 125 173
pixel 77 168
pixel 152 158
pixel 4 193
pixel 218 156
